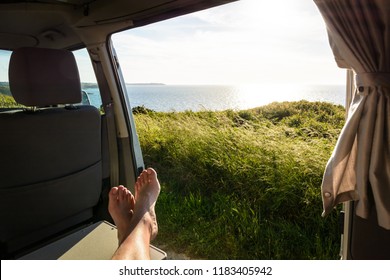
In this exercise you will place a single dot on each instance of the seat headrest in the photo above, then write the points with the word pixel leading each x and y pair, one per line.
pixel 43 77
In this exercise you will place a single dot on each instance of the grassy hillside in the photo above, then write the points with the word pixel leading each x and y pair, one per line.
pixel 246 184
pixel 7 101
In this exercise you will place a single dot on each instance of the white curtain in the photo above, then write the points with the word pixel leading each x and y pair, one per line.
pixel 359 168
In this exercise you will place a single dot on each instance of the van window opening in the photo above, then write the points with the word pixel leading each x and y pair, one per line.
pixel 87 77
pixel 232 52
pixel 197 85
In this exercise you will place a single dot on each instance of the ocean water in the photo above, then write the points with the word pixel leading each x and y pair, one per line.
pixel 176 98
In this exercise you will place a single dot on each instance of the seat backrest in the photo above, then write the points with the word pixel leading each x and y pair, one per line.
pixel 50 166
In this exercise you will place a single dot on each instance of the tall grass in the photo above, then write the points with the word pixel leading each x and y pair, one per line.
pixel 7 101
pixel 244 184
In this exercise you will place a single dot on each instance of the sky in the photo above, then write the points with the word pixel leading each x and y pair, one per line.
pixel 245 42
pixel 240 43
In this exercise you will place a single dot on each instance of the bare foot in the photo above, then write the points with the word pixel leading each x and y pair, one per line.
pixel 142 228
pixel 147 190
pixel 121 208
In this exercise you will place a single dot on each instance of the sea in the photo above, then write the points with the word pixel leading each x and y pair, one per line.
pixel 178 98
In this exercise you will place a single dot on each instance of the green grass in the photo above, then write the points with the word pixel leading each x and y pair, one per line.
pixel 7 101
pixel 244 184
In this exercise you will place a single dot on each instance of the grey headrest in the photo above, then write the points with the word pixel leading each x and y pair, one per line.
pixel 42 77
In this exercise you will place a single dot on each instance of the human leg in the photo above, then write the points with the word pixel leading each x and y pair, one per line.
pixel 143 226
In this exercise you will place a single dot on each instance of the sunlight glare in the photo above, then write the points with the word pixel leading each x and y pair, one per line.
pixel 254 95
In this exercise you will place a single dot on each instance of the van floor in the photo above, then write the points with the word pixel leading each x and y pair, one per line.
pixel 172 255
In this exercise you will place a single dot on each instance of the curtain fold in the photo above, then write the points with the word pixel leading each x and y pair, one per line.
pixel 359 167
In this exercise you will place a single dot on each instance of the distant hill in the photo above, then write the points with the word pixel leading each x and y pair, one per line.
pixel 4 88
pixel 89 85
pixel 94 85
pixel 145 84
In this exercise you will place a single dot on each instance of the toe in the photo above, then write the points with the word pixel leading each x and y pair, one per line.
pixel 113 192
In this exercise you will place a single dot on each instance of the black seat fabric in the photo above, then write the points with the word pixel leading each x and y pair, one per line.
pixel 50 167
